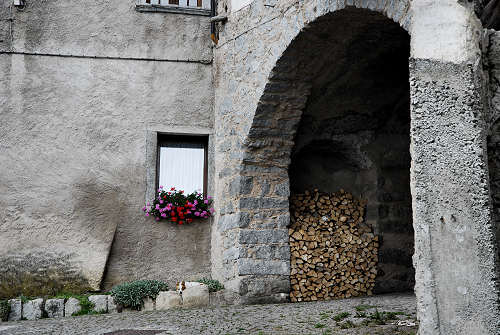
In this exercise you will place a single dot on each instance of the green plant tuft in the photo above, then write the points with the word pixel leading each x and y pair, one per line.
pixel 4 310
pixel 24 299
pixel 347 325
pixel 341 316
pixel 381 318
pixel 213 285
pixel 132 294
pixel 87 307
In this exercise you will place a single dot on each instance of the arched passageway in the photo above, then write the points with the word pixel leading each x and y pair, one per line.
pixel 354 135
pixel 335 114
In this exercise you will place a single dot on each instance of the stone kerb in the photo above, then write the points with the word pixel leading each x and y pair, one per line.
pixel 32 310
pixel 16 307
pixel 72 306
pixel 192 297
pixel 54 308
pixel 100 303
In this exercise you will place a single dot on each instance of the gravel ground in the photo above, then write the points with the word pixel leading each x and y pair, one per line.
pixel 367 315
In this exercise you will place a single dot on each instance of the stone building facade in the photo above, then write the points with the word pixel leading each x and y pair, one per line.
pixel 393 100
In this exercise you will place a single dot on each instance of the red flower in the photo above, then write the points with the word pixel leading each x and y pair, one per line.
pixel 181 192
pixel 174 219
pixel 189 220
pixel 172 213
pixel 181 222
pixel 172 189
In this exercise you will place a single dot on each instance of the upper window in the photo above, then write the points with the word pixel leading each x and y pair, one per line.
pixel 182 162
pixel 187 6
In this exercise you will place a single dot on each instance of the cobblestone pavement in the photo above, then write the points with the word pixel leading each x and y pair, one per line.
pixel 366 316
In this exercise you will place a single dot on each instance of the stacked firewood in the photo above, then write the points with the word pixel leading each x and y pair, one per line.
pixel 333 250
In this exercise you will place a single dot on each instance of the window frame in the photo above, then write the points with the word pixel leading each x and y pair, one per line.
pixel 162 139
pixel 142 6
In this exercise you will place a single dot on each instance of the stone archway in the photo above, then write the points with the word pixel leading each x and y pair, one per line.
pixel 260 93
pixel 262 184
pixel 354 135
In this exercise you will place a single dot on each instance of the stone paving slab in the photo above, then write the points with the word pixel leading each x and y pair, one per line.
pixel 291 318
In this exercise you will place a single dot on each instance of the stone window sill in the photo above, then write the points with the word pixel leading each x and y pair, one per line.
pixel 173 9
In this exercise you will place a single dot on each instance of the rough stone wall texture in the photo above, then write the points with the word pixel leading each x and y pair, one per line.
pixel 260 95
pixel 493 65
pixel 73 142
pixel 454 255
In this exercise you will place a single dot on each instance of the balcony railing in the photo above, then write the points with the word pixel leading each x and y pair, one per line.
pixel 200 7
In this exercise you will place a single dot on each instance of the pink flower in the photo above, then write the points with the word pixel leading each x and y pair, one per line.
pixel 147 214
pixel 161 201
pixel 163 215
pixel 144 208
pixel 161 187
pixel 157 207
pixel 148 204
pixel 157 219
pixel 197 213
pixel 206 202
pixel 204 213
pixel 195 202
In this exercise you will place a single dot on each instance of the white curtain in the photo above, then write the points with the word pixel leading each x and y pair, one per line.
pixel 182 166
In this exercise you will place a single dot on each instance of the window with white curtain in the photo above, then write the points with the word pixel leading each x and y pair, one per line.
pixel 182 163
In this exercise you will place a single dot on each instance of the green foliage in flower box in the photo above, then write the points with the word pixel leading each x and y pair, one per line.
pixel 177 207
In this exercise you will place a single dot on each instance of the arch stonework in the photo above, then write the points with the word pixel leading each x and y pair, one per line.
pixel 260 93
